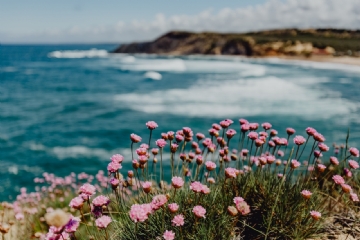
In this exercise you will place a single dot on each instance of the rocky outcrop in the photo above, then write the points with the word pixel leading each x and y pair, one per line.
pixel 265 43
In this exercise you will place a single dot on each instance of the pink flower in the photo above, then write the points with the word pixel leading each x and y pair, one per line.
pixel 225 124
pixel 238 200
pixel 141 151
pixel 173 207
pixel 196 186
pixel 135 138
pixel 271 144
pixel 270 159
pixel 177 182
pixel 72 225
pixel 155 151
pixel 315 215
pixel 117 158
pixel 266 125
pixel 231 172
pixel 310 131
pixel 299 140
pixel 317 154
pixel 144 145
pixel 354 151
pixel 205 189
pixel 243 121
pixel 216 126
pixel 273 133
pixel 306 194
pixel 347 173
pixel 243 208
pixel 323 147
pixel 160 143
pixel 353 164
pixel 103 222
pixel 346 188
pixel 210 165
pixel 200 136
pixel 245 127
pixel 19 216
pixel 321 167
pixel 213 132
pixel 76 203
pixel 146 186
pixel 199 211
pixel 295 164
pixel 87 189
pixel 158 201
pixel 253 135
pixel 174 147
pixel 230 133
pixel 169 235
pixel 259 142
pixel 354 197
pixel 100 201
pixel 151 125
pixel 178 220
pixel 290 131
pixel 114 167
pixel 334 161
pixel 140 213
pixel 211 180
pixel 338 179
pixel 319 137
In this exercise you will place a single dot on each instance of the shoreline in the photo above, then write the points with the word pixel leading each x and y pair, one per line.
pixel 353 61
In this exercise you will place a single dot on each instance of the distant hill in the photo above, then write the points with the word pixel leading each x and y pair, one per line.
pixel 306 42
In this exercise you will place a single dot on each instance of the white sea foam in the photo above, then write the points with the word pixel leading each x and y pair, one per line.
pixel 243 97
pixel 92 53
pixel 153 75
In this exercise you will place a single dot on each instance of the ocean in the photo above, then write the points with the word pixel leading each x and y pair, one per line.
pixel 68 108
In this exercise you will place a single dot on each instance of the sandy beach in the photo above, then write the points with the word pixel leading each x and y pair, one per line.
pixel 326 59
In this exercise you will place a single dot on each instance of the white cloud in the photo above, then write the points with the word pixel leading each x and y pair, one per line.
pixel 269 15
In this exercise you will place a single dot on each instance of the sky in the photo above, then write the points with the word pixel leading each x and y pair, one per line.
pixel 114 21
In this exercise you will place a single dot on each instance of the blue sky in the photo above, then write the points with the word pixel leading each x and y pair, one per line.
pixel 50 21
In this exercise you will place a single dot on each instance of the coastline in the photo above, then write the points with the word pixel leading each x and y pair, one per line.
pixel 354 61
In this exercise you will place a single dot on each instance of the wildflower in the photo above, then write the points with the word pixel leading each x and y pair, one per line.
pixel 259 142
pixel 179 138
pixel 19 216
pixel 199 160
pixel 266 126
pixel 169 235
pixel 231 172
pixel 317 154
pixel 270 159
pixel 243 121
pixel 225 124
pixel 238 200
pixel 76 203
pixel 178 220
pixel 323 147
pixel 243 208
pixel 199 211
pixel 346 188
pixel 310 131
pixel 315 215
pixel 338 179
pixel 205 189
pixel 155 151
pixel 117 158
pixel 213 132
pixel 177 182
pixel 103 222
pixel 158 201
pixel 321 167
pixel 334 161
pixel 141 151
pixel 353 164
pixel 135 164
pixel 280 175
pixel 114 167
pixel 211 180
pixel 151 125
pixel 140 213
pixel 278 162
pixel 354 197
pixel 196 187
pixel 160 143
pixel 146 186
pixel 262 160
pixel 245 128
pixel 273 133
pixel 200 136
pixel 144 145
pixel 72 225
pixel 87 189
pixel 135 138
pixel 230 133
pixel 318 137
pixel 58 218
pixel 283 141
pixel 306 194
pixel 354 151
pixel 232 211
pixel 299 140
pixel 253 135
pixel 173 207
pixel 290 131
pixel 210 165
pixel 347 173
pixel 295 164
pixel 244 152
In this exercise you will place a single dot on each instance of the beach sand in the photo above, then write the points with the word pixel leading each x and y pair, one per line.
pixel 326 59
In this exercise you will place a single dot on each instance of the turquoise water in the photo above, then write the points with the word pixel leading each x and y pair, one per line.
pixel 68 108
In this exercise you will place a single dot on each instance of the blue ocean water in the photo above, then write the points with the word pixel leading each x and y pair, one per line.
pixel 68 108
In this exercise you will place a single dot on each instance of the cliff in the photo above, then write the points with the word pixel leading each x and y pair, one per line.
pixel 264 43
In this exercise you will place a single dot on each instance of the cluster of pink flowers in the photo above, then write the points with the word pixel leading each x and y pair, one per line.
pixel 197 187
